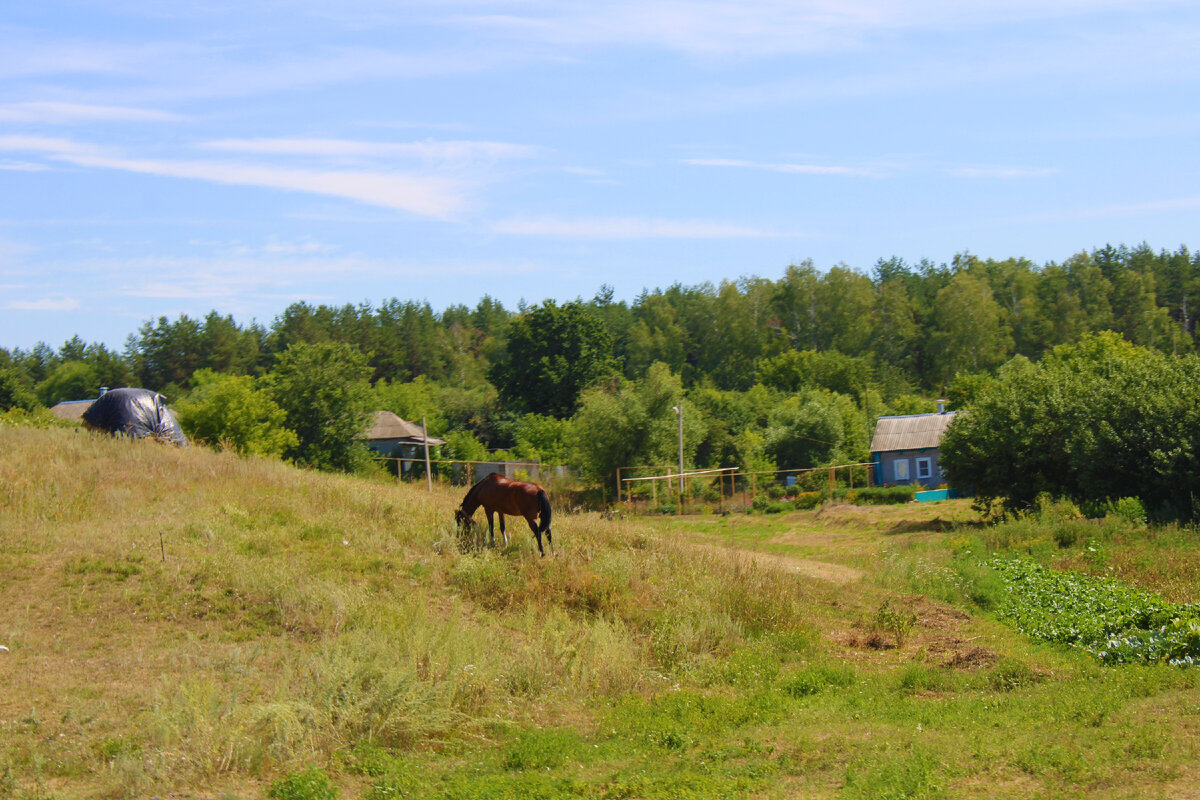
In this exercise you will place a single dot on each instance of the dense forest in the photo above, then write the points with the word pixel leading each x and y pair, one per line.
pixel 785 373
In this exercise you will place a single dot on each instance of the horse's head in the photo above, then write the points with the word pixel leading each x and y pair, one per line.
pixel 462 518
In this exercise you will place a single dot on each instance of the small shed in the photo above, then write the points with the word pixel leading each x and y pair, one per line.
pixel 905 448
pixel 392 437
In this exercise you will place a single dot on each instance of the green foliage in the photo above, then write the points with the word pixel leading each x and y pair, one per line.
pixel 311 784
pixel 895 621
pixel 234 411
pixel 540 749
pixel 14 392
pixel 798 370
pixel 324 391
pixel 632 423
pixel 38 418
pixel 413 400
pixel 970 333
pixel 881 495
pixel 552 354
pixel 805 432
pixel 70 380
pixel 1100 420
pixel 542 438
pixel 1109 619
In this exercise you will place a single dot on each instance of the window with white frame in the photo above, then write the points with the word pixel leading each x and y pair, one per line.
pixel 900 469
pixel 924 468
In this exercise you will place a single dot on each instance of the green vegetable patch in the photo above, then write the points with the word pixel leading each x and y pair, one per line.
pixel 1115 622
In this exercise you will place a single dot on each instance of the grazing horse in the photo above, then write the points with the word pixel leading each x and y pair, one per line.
pixel 497 494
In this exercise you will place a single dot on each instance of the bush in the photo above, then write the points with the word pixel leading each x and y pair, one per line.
pixel 807 500
pixel 312 784
pixel 881 495
pixel 1090 422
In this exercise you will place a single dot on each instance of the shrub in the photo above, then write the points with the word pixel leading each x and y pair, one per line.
pixel 882 495
pixel 311 784
pixel 807 500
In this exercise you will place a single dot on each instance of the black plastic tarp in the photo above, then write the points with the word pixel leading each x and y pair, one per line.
pixel 134 412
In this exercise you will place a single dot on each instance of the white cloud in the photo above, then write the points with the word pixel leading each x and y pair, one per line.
pixel 423 195
pixel 22 166
pixel 755 28
pixel 48 145
pixel 631 228
pixel 429 150
pixel 68 113
pixel 795 169
pixel 1003 173
pixel 45 304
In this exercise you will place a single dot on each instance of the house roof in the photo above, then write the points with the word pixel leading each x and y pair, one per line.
pixel 386 425
pixel 913 432
pixel 71 410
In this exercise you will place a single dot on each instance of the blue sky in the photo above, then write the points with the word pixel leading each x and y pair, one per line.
pixel 163 158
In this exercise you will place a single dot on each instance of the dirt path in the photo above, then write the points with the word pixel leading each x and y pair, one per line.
pixel 822 570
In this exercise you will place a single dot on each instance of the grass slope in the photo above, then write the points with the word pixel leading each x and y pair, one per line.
pixel 188 623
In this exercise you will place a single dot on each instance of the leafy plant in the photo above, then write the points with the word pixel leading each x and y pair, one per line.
pixel 894 621
pixel 311 784
pixel 1109 619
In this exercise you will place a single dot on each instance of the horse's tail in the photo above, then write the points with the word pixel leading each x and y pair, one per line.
pixel 544 506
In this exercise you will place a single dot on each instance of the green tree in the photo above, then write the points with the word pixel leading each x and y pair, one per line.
pixel 234 411
pixel 1093 422
pixel 323 389
pixel 553 353
pixel 632 423
pixel 15 391
pixel 969 334
pixel 70 380
pixel 805 431
pixel 542 438
pixel 413 400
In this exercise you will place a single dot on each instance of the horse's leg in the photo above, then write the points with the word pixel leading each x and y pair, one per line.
pixel 492 529
pixel 503 533
pixel 537 534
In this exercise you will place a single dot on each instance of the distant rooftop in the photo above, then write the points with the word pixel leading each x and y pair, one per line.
pixel 71 410
pixel 912 432
pixel 386 425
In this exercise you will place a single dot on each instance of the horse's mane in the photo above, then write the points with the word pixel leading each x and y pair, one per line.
pixel 473 492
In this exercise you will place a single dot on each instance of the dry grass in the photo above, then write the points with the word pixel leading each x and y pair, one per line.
pixel 180 618
pixel 189 623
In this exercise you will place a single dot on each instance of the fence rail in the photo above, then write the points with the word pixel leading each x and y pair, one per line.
pixel 721 487
pixel 461 472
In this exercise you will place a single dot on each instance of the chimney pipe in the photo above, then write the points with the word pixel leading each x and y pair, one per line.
pixel 941 405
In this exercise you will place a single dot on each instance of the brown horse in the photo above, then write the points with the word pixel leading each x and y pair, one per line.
pixel 498 495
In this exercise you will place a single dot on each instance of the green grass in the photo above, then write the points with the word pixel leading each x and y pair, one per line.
pixel 195 624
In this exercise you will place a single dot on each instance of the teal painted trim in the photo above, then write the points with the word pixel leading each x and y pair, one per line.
pixel 878 468
pixel 933 495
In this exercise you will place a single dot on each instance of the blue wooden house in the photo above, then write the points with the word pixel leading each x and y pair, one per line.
pixel 904 449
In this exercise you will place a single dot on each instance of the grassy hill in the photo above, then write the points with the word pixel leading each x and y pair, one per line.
pixel 184 623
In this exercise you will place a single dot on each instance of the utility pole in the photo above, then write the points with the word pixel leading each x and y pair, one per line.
pixel 679 413
pixel 425 436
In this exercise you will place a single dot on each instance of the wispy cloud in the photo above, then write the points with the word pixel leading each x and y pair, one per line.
pixel 22 166
pixel 423 195
pixel 1003 173
pixel 632 228
pixel 45 304
pixel 71 113
pixel 428 150
pixel 755 28
pixel 790 168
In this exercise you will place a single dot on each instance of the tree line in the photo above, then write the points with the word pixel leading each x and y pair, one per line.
pixel 772 373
